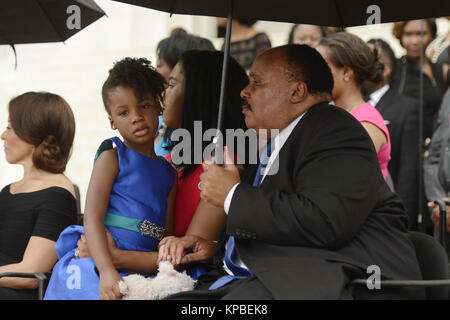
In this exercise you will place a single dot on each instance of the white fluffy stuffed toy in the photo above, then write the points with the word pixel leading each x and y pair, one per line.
pixel 168 281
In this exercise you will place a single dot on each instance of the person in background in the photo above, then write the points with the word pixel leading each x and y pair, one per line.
pixel 306 34
pixel 168 52
pixel 438 52
pixel 352 62
pixel 247 42
pixel 436 167
pixel 406 79
pixel 170 49
pixel 401 114
pixel 35 209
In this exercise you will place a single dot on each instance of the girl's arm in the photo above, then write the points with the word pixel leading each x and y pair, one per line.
pixel 97 199
pixel 39 256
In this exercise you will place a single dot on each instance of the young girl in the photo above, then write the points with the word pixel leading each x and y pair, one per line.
pixel 131 192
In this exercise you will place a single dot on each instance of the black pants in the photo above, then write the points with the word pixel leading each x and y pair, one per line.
pixel 242 289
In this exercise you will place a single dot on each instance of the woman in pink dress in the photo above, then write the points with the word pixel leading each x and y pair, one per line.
pixel 352 62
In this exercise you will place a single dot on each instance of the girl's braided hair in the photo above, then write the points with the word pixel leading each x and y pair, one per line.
pixel 137 73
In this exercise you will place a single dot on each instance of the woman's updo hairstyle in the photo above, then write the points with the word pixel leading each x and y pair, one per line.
pixel 346 49
pixel 46 121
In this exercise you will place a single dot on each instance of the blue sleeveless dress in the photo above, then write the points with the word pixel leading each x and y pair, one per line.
pixel 138 200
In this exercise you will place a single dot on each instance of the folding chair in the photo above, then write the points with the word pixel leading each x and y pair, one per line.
pixel 433 263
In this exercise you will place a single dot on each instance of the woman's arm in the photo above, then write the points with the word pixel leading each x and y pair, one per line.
pixel 97 199
pixel 39 256
pixel 378 137
pixel 207 222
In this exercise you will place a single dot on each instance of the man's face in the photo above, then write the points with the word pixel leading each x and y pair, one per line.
pixel 266 97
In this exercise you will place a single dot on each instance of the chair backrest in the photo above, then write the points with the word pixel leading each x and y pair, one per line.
pixel 433 262
pixel 79 214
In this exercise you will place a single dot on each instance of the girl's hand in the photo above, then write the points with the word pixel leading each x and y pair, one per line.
pixel 84 249
pixel 109 285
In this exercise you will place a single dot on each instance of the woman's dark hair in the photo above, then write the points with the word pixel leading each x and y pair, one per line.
pixel 170 49
pixel 399 28
pixel 137 73
pixel 247 22
pixel 349 50
pixel 294 27
pixel 202 73
pixel 386 48
pixel 46 121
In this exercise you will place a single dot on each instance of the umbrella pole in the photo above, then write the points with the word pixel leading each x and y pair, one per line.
pixel 420 218
pixel 223 83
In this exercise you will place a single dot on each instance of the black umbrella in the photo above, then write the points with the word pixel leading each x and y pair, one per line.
pixel 337 13
pixel 38 21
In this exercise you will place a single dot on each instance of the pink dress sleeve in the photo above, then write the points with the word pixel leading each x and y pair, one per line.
pixel 367 113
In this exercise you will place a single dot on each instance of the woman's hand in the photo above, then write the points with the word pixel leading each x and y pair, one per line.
pixel 109 285
pixel 435 215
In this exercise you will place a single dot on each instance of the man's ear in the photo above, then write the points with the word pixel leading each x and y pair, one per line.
pixel 299 92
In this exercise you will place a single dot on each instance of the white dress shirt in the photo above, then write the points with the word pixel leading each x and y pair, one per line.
pixel 376 96
pixel 279 141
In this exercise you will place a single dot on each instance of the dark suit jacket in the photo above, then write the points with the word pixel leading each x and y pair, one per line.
pixel 403 115
pixel 324 217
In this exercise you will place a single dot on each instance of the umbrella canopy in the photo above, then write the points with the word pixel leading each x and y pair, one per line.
pixel 37 21
pixel 338 13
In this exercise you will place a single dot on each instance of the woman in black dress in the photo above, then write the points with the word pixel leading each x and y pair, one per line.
pixel 406 76
pixel 35 209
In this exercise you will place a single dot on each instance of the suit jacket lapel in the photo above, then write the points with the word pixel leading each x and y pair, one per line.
pixel 385 101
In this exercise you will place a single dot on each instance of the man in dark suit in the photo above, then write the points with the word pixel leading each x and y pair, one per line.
pixel 401 114
pixel 318 215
